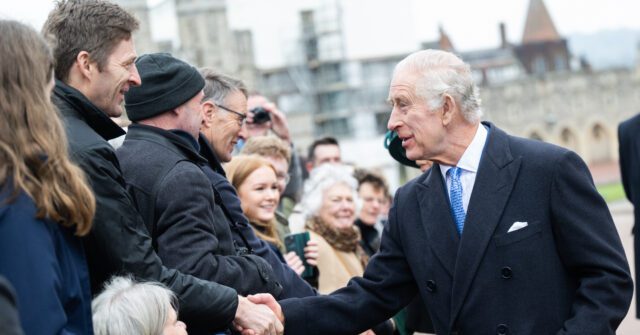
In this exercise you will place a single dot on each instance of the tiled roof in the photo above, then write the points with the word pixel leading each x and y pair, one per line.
pixel 539 27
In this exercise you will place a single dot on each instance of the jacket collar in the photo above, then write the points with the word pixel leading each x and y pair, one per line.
pixel 206 150
pixel 168 139
pixel 72 102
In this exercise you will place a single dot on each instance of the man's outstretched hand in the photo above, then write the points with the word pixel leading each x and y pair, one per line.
pixel 269 301
pixel 258 319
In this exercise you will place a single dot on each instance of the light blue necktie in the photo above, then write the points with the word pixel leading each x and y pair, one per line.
pixel 455 196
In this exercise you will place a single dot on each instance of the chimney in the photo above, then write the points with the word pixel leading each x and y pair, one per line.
pixel 503 35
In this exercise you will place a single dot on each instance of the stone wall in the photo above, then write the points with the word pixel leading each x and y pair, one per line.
pixel 580 111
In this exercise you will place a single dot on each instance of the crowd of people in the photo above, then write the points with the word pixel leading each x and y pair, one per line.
pixel 78 215
pixel 201 216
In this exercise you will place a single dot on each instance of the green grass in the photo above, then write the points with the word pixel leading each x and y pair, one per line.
pixel 611 192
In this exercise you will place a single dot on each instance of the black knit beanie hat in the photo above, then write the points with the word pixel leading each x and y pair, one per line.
pixel 167 83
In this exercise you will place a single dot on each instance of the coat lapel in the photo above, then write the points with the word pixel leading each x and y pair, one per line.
pixel 436 219
pixel 495 179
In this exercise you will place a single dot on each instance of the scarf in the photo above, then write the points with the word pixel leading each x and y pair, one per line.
pixel 342 239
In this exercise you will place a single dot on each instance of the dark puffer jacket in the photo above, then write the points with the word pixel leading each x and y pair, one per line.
pixel 119 242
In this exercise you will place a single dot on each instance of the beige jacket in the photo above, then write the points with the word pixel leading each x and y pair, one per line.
pixel 336 267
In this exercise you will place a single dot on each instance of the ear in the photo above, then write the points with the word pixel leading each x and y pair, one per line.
pixel 85 65
pixel 177 111
pixel 309 166
pixel 449 108
pixel 208 110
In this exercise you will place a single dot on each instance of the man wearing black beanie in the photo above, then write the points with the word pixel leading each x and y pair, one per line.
pixel 161 165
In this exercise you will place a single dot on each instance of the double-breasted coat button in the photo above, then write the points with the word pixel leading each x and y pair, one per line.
pixel 506 272
pixel 502 329
pixel 431 286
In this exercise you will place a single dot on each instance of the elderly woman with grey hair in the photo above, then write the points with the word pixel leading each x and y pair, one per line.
pixel 329 201
pixel 127 307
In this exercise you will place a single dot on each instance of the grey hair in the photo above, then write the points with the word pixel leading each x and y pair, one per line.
pixel 127 307
pixel 218 86
pixel 443 73
pixel 321 179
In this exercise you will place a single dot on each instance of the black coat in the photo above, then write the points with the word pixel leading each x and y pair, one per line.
pixel 163 172
pixel 119 242
pixel 629 139
pixel 417 316
pixel 564 273
pixel 243 234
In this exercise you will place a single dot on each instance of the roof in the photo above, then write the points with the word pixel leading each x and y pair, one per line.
pixel 539 26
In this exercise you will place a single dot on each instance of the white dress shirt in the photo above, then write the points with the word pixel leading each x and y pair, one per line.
pixel 468 163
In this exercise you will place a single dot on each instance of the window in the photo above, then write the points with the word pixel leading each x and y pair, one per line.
pixel 539 65
pixel 560 64
pixel 333 127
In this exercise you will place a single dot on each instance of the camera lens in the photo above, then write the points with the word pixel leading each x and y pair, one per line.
pixel 260 115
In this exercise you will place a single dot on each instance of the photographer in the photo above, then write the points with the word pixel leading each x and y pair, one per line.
pixel 263 116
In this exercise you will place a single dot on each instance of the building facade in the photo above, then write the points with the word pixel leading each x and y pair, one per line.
pixel 529 89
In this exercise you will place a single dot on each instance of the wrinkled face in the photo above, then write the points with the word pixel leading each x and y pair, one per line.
pixel 282 171
pixel 190 116
pixel 420 129
pixel 259 195
pixel 173 326
pixel 338 206
pixel 327 153
pixel 372 203
pixel 107 87
pixel 227 127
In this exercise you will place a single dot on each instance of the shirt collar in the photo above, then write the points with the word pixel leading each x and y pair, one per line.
pixel 470 160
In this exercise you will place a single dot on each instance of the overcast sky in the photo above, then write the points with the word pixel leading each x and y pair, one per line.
pixel 373 28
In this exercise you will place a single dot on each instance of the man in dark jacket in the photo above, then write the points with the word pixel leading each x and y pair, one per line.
pixel 94 55
pixel 503 235
pixel 164 173
pixel 224 107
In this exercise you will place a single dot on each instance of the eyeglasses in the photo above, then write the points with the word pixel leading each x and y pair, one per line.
pixel 284 177
pixel 241 117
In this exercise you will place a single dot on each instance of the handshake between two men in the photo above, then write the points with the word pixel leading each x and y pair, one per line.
pixel 259 314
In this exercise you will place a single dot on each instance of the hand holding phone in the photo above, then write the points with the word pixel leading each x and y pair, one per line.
pixel 297 243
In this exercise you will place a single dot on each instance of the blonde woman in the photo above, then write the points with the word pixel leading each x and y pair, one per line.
pixel 45 203
pixel 255 179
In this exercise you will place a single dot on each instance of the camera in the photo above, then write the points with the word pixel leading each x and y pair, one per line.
pixel 260 115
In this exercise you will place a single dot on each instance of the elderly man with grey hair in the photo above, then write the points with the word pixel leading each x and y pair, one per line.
pixel 224 108
pixel 503 235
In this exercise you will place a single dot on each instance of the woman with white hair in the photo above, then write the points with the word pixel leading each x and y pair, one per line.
pixel 129 308
pixel 329 201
